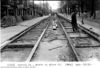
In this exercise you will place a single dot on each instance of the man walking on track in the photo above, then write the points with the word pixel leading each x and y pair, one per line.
pixel 74 22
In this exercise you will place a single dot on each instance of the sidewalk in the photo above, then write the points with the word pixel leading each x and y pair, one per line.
pixel 10 32
pixel 87 24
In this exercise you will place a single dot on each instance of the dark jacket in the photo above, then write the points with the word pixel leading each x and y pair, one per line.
pixel 74 20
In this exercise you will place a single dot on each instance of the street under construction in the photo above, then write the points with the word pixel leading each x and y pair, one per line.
pixel 33 31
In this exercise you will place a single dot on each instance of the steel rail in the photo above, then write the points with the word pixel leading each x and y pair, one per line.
pixel 37 44
pixel 15 37
pixel 70 43
pixel 2 45
pixel 90 33
pixel 94 35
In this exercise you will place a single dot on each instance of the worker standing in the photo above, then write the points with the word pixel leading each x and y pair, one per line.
pixel 54 23
pixel 74 22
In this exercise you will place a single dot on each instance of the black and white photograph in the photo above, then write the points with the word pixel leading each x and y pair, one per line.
pixel 50 31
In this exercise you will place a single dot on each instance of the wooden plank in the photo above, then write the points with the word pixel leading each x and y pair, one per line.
pixel 83 43
pixel 55 48
pixel 77 35
pixel 87 46
pixel 21 44
pixel 68 27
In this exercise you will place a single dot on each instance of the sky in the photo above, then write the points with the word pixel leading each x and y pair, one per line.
pixel 54 5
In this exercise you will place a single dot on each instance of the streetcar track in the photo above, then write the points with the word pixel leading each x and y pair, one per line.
pixel 70 43
pixel 4 44
pixel 89 41
pixel 15 45
pixel 36 45
pixel 43 33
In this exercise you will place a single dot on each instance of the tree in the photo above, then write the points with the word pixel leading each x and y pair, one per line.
pixel 93 9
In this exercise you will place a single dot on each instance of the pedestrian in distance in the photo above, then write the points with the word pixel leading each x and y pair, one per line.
pixel 74 22
pixel 82 18
pixel 84 15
